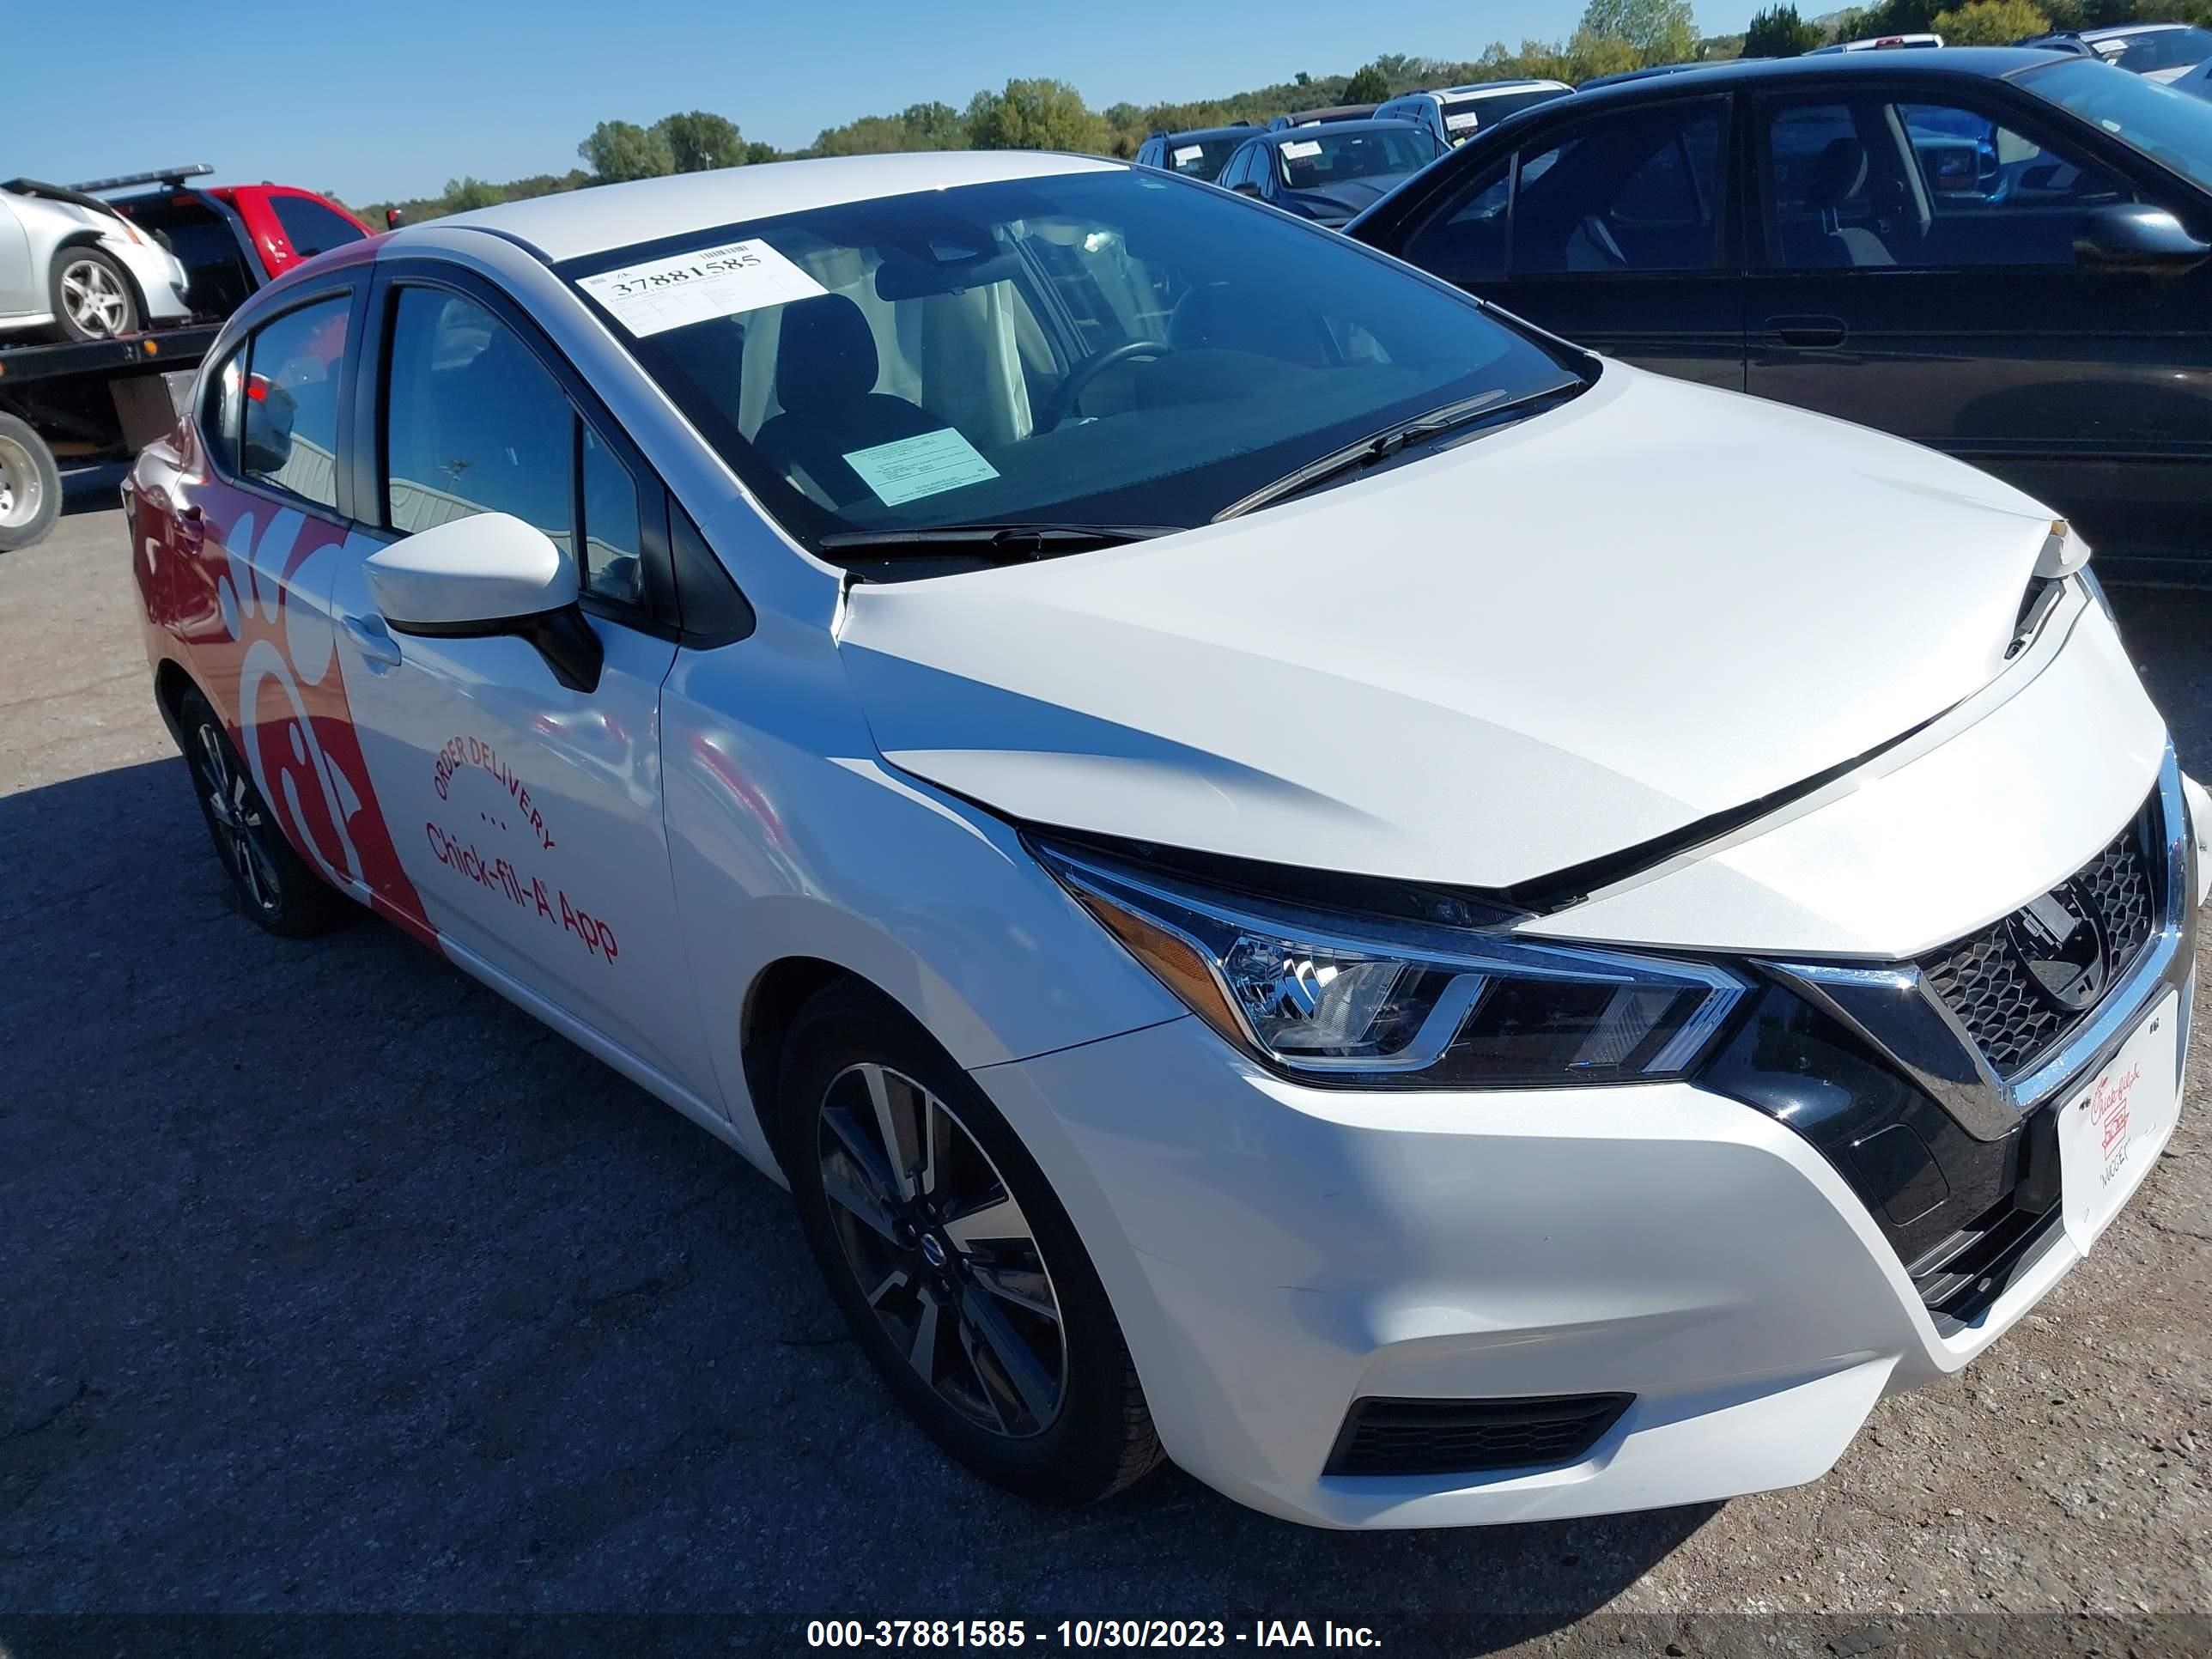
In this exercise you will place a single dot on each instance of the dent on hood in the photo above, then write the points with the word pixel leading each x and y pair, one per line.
pixel 1479 668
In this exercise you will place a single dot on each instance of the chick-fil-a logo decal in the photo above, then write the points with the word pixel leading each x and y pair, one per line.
pixel 497 874
pixel 287 705
pixel 2108 1110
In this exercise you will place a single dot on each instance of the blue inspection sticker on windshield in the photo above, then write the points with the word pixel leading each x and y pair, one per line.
pixel 914 467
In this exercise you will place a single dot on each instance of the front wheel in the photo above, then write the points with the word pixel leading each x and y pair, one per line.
pixel 93 300
pixel 961 1276
pixel 272 882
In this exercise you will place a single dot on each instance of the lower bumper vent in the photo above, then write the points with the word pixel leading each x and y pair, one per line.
pixel 1472 1437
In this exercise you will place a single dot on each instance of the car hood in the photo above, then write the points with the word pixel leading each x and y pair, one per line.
pixel 1341 201
pixel 1562 638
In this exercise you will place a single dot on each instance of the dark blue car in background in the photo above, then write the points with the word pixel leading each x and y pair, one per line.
pixel 2000 254
pixel 1328 173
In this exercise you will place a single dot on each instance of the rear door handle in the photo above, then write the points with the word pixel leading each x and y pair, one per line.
pixel 373 641
pixel 1812 333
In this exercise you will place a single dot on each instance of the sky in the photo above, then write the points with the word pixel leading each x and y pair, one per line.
pixel 390 98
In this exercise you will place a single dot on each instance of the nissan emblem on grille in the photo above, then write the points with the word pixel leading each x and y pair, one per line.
pixel 2020 985
pixel 2063 946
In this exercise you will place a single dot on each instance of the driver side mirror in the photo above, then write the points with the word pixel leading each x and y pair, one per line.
pixel 2138 238
pixel 483 576
pixel 1247 188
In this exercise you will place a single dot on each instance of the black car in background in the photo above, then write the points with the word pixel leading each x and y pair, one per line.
pixel 1326 173
pixel 1200 153
pixel 2000 254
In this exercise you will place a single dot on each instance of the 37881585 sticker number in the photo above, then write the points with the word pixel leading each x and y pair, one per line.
pixel 699 285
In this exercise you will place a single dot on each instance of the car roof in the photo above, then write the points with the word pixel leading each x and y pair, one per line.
pixel 1293 134
pixel 1487 88
pixel 2116 31
pixel 601 217
pixel 1940 63
pixel 1232 130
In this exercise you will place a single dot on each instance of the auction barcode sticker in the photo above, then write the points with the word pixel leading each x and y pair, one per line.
pixel 700 286
pixel 1300 150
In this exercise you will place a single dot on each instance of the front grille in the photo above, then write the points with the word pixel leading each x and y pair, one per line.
pixel 1986 983
pixel 1470 1436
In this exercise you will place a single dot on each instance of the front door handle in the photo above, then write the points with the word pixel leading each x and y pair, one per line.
pixel 373 641
pixel 1812 333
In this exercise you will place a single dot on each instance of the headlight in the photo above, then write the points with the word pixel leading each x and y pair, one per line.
pixel 1403 999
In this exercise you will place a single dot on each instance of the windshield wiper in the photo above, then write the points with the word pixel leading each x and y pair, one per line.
pixel 1391 440
pixel 1003 544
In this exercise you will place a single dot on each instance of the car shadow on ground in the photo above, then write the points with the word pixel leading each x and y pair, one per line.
pixel 337 1283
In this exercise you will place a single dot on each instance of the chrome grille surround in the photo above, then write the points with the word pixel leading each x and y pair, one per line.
pixel 1946 1019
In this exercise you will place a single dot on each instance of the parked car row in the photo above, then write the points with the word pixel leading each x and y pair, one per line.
pixel 1297 873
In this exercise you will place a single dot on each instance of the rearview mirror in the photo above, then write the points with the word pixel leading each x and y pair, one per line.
pixel 488 575
pixel 2138 238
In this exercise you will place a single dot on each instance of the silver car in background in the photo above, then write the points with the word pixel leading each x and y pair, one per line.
pixel 73 268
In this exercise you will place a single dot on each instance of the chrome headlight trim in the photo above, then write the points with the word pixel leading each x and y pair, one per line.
pixel 1476 962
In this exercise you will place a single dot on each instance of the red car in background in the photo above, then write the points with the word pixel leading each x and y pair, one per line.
pixel 232 239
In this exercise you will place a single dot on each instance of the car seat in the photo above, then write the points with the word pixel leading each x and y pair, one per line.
pixel 1837 176
pixel 826 369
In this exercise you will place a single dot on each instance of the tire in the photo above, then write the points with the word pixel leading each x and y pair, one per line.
pixel 272 884
pixel 30 486
pixel 1068 1426
pixel 91 295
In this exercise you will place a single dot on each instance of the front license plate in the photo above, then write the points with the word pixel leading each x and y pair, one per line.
pixel 2110 1134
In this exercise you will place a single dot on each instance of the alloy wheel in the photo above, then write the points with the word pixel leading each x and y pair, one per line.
pixel 93 295
pixel 941 1251
pixel 241 823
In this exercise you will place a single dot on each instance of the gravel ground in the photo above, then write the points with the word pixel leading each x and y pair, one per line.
pixel 331 1284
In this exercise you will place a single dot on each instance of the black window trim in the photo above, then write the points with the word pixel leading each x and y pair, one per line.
pixel 660 615
pixel 241 350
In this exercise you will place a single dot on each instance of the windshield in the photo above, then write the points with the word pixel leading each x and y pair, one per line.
pixel 1202 158
pixel 2171 127
pixel 2157 49
pixel 1318 158
pixel 1094 347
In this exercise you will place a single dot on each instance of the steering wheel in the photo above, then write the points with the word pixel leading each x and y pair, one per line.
pixel 1061 403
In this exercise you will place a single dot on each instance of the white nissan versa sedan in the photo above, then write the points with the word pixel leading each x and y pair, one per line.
pixel 1295 875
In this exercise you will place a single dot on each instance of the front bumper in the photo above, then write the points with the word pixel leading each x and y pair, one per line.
pixel 1276 1252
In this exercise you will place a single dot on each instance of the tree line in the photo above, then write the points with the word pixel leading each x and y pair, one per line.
pixel 1613 35
pixel 1780 32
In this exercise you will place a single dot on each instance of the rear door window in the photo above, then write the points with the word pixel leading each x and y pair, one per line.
pixel 312 227
pixel 290 430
